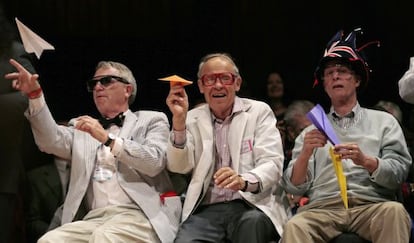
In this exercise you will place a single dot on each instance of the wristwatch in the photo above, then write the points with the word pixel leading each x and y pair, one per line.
pixel 111 138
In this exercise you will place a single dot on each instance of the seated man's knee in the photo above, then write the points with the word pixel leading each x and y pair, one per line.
pixel 254 217
pixel 395 211
pixel 395 207
pixel 255 223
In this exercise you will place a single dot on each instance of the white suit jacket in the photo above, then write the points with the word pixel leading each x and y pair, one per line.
pixel 255 146
pixel 141 167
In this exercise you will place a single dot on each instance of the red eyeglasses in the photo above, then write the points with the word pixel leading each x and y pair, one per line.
pixel 226 78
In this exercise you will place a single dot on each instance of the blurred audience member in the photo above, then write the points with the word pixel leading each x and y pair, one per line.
pixel 275 94
pixel 296 121
pixel 15 136
pixel 406 84
pixel 46 188
pixel 391 108
pixel 44 196
pixel 395 110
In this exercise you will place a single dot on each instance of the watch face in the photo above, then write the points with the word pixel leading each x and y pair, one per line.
pixel 111 137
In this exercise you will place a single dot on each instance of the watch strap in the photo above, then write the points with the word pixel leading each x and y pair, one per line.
pixel 109 141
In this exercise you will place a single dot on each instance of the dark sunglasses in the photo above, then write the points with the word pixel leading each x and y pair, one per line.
pixel 104 81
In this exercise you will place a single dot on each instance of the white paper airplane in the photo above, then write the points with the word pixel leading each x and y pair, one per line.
pixel 31 41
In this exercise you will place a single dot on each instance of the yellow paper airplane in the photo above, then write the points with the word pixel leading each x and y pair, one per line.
pixel 176 79
pixel 31 41
pixel 337 163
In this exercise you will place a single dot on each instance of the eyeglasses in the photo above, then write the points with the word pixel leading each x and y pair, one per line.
pixel 104 81
pixel 342 71
pixel 225 78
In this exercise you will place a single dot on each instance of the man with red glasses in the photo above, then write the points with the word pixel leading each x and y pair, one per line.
pixel 373 154
pixel 233 151
pixel 118 176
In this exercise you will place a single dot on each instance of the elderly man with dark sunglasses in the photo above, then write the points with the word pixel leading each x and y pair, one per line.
pixel 119 188
pixel 233 152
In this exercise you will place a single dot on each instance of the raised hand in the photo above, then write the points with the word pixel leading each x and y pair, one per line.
pixel 23 80
pixel 177 102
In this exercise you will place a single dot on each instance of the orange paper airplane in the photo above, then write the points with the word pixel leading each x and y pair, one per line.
pixel 176 79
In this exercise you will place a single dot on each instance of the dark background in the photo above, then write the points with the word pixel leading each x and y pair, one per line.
pixel 158 38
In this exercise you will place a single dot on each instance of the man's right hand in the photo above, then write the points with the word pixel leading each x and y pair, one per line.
pixel 177 102
pixel 313 139
pixel 23 80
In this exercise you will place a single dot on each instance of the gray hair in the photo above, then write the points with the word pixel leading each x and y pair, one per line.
pixel 125 73
pixel 391 108
pixel 297 108
pixel 225 56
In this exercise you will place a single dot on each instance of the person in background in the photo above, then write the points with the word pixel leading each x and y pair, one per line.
pixel 407 191
pixel 17 146
pixel 374 157
pixel 43 195
pixel 395 110
pixel 406 84
pixel 406 91
pixel 234 162
pixel 46 188
pixel 295 122
pixel 275 92
pixel 119 190
pixel 391 108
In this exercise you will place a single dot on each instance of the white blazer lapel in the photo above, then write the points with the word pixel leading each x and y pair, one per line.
pixel 129 122
pixel 206 132
pixel 205 165
pixel 88 146
pixel 83 162
pixel 236 136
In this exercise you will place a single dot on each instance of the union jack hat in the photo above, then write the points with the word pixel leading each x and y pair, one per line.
pixel 345 51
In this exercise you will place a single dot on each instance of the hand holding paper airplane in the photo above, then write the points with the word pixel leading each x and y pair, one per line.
pixel 31 41
pixel 320 120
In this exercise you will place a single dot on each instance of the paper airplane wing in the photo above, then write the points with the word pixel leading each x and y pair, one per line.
pixel 320 120
pixel 176 79
pixel 31 41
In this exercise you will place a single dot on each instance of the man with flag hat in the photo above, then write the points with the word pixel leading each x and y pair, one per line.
pixel 372 153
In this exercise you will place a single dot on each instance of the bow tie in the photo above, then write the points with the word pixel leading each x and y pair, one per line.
pixel 118 120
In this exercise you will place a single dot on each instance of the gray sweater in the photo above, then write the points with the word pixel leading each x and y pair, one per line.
pixel 378 134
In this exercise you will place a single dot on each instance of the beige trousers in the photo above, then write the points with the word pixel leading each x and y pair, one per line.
pixel 125 223
pixel 377 222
